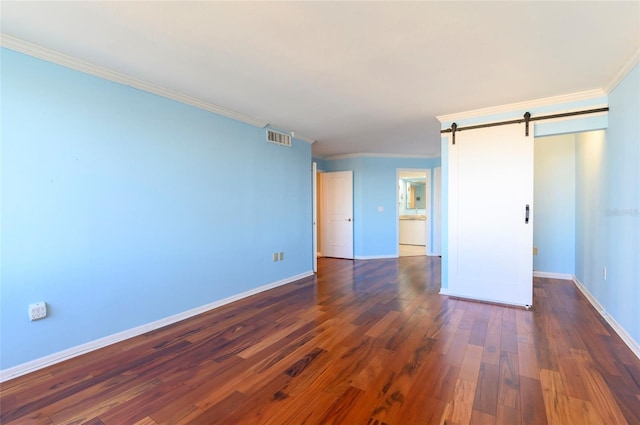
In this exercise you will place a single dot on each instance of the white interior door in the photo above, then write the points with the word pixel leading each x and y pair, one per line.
pixel 337 225
pixel 490 239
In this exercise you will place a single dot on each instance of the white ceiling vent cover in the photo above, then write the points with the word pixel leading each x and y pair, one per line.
pixel 278 138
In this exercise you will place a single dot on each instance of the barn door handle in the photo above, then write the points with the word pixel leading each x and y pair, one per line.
pixel 526 214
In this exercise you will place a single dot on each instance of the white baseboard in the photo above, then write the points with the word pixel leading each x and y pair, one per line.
pixel 375 257
pixel 551 275
pixel 42 362
pixel 318 254
pixel 622 333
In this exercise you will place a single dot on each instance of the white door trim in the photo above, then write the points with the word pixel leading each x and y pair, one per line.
pixel 314 218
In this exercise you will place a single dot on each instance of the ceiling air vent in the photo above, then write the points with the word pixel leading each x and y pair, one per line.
pixel 278 138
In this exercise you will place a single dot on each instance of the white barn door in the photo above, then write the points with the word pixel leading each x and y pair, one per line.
pixel 490 198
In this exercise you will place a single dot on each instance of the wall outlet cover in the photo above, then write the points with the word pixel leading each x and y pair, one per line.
pixel 37 311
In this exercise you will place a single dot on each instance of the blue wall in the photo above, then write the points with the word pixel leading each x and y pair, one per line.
pixel 120 207
pixel 554 204
pixel 590 202
pixel 608 220
pixel 622 208
pixel 375 184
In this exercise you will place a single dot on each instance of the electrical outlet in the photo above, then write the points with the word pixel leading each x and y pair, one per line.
pixel 37 311
pixel 535 250
pixel 604 273
pixel 275 256
pixel 281 255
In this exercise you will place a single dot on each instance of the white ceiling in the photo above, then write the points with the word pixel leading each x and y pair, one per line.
pixel 357 77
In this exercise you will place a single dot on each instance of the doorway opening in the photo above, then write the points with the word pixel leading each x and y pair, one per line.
pixel 414 211
pixel 566 199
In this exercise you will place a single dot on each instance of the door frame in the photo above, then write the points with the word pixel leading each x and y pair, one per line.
pixel 314 216
pixel 436 213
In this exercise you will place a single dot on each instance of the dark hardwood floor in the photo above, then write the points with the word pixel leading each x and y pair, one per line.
pixel 366 342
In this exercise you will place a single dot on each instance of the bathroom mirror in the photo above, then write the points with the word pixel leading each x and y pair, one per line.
pixel 415 195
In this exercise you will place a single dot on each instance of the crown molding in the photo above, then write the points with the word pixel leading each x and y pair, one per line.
pixel 98 71
pixel 52 56
pixel 304 139
pixel 530 104
pixel 378 155
pixel 633 61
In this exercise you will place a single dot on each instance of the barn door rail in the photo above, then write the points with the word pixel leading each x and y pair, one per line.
pixel 527 118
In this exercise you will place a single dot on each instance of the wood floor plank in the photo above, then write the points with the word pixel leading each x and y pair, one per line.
pixel 491 353
pixel 532 402
pixel 456 352
pixel 524 326
pixel 470 366
pixel 372 370
pixel 479 332
pixel 421 410
pixel 362 342
pixel 139 407
pixel 444 384
pixel 509 381
pixel 401 379
pixel 146 421
pixel 382 325
pixel 573 383
pixel 261 399
pixel 461 405
pixel 626 403
pixel 486 398
pixel 87 409
pixel 583 412
pixel 508 415
pixel 339 410
pixel 528 362
pixel 482 418
pixel 219 412
pixel 276 335
pixel 599 393
pixel 556 400
pixel 298 410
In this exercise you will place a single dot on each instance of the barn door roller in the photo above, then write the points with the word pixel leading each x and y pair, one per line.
pixel 527 118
